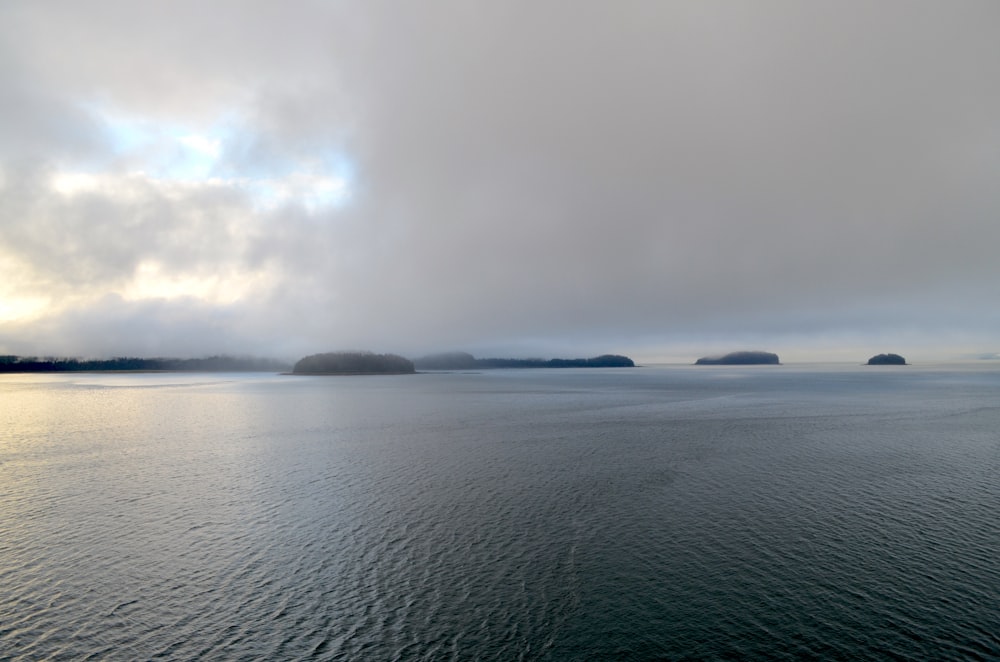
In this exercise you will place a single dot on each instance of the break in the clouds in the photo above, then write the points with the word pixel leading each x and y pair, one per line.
pixel 659 178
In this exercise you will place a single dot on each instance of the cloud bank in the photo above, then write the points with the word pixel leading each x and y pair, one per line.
pixel 656 178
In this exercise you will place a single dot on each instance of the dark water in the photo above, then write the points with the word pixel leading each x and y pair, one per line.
pixel 658 513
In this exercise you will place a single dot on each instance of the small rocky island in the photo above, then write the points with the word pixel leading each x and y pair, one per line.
pixel 466 361
pixel 887 359
pixel 353 363
pixel 740 358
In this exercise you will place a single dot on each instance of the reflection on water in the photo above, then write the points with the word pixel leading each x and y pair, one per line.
pixel 752 512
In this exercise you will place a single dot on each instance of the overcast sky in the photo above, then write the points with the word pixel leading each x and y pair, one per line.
pixel 659 179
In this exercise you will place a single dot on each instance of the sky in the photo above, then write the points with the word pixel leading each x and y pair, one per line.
pixel 662 179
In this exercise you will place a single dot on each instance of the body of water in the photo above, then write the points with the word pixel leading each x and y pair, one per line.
pixel 668 512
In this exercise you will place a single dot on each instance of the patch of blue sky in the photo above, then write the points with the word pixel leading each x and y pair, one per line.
pixel 127 135
pixel 157 148
pixel 183 152
pixel 311 190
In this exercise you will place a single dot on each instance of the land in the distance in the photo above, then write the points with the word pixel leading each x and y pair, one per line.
pixel 353 363
pixel 329 363
pixel 12 364
pixel 466 361
pixel 740 358
pixel 356 363
pixel 887 359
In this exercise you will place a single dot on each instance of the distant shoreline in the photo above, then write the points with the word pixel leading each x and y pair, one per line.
pixel 466 361
pixel 346 374
pixel 218 363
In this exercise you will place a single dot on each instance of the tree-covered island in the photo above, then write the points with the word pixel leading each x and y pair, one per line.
pixel 887 359
pixel 740 358
pixel 353 363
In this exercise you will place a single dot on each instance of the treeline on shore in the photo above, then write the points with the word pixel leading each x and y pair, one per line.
pixel 220 363
pixel 465 361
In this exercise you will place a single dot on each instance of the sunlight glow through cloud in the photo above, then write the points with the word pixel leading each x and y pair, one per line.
pixel 71 183
pixel 14 308
pixel 20 300
pixel 152 281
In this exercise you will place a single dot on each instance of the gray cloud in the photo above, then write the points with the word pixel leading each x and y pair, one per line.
pixel 524 176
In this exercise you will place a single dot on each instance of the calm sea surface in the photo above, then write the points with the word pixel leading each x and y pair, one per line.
pixel 756 513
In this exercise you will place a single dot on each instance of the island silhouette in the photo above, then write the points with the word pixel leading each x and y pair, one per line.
pixel 353 363
pixel 740 358
pixel 887 359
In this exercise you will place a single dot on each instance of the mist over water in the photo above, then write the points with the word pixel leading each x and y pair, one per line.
pixel 762 512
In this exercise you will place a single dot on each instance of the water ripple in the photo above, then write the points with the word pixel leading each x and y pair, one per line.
pixel 659 515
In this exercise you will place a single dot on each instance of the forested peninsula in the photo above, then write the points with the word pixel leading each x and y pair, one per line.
pixel 465 361
pixel 13 364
